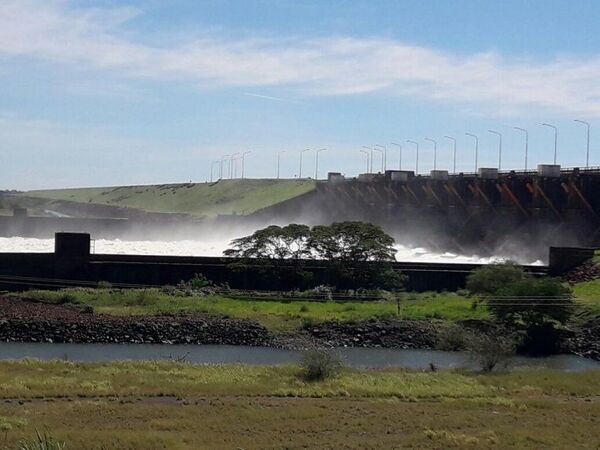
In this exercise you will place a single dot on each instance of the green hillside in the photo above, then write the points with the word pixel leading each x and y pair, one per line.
pixel 198 199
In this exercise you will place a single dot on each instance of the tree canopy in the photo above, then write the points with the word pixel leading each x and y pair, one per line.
pixel 273 242
pixel 343 241
pixel 516 297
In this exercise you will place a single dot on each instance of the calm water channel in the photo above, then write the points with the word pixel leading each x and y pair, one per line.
pixel 222 354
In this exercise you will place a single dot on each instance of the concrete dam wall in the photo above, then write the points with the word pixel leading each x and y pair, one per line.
pixel 510 213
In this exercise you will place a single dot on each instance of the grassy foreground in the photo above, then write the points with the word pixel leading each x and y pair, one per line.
pixel 276 315
pixel 198 199
pixel 152 405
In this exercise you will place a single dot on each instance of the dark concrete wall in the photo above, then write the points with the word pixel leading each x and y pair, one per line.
pixel 82 268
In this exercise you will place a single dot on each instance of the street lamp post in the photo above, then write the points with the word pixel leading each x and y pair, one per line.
pixel 371 163
pixel 231 164
pixel 212 164
pixel 223 159
pixel 497 133
pixel 434 152
pixel 380 151
pixel 526 143
pixel 476 149
pixel 384 156
pixel 301 153
pixel 366 153
pixel 417 159
pixel 399 155
pixel 317 162
pixel 587 153
pixel 243 161
pixel 278 161
pixel 555 139
pixel 453 153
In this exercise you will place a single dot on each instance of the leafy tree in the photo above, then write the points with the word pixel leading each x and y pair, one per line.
pixel 352 248
pixel 535 305
pixel 487 280
pixel 352 242
pixel 273 242
pixel 533 302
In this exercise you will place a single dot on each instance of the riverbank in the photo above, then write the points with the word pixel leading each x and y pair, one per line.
pixel 152 405
pixel 29 318
pixel 24 320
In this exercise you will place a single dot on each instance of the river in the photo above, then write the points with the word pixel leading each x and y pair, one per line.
pixel 230 354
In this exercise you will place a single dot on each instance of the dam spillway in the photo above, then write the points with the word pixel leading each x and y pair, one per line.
pixel 465 212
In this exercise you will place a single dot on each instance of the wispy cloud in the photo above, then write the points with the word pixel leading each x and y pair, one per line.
pixel 271 97
pixel 100 39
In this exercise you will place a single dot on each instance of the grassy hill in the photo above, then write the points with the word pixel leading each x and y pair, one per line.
pixel 198 199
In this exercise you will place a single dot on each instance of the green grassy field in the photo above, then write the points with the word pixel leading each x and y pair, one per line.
pixel 275 315
pixel 198 199
pixel 159 405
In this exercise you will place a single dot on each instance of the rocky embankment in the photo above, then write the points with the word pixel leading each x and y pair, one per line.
pixel 24 321
pixel 584 340
pixel 588 271
pixel 385 333
pixel 30 321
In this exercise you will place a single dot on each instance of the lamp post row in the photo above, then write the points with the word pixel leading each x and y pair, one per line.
pixel 227 164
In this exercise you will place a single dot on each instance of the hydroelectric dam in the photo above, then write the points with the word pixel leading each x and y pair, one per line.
pixel 488 212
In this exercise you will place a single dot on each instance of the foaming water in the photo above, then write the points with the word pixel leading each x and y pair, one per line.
pixel 215 248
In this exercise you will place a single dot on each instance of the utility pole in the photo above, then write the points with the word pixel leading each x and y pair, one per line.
pixel 587 153
pixel 526 143
pixel 317 162
pixel 279 161
pixel 301 152
pixel 453 153
pixel 434 152
pixel 499 148
pixel 476 149
pixel 399 155
pixel 417 163
pixel 555 139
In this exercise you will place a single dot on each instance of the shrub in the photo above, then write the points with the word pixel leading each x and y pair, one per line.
pixel 41 441
pixel 198 282
pixel 319 364
pixel 318 292
pixel 104 285
pixel 532 302
pixel 66 297
pixel 490 352
pixel 487 280
pixel 451 338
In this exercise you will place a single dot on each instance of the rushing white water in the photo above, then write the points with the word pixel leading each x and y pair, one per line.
pixel 214 248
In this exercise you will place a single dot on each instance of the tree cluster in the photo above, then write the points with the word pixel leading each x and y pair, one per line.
pixel 343 241
pixel 358 253
pixel 537 305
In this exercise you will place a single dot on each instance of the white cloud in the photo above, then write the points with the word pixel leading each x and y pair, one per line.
pixel 100 39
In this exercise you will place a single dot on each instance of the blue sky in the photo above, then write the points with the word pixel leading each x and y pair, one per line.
pixel 115 92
